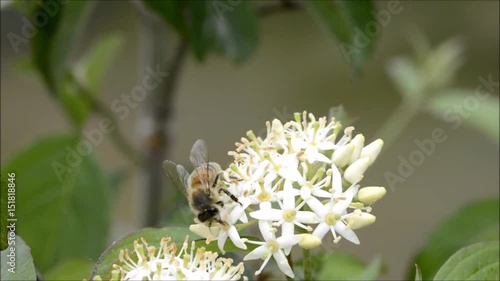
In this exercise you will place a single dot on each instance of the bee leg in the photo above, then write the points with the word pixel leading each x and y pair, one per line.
pixel 216 180
pixel 228 193
pixel 223 223
pixel 220 203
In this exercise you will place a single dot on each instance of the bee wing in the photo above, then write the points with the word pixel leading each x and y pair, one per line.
pixel 178 175
pixel 199 153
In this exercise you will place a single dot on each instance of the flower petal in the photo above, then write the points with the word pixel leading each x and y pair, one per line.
pixel 283 263
pixel 257 253
pixel 235 237
pixel 346 232
pixel 306 217
pixel 321 230
pixel 268 214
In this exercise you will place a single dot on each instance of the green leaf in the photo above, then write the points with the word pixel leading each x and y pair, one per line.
pixel 235 28
pixel 418 274
pixel 348 21
pixel 171 12
pixel 371 271
pixel 17 264
pixel 474 223
pixel 90 72
pixel 476 262
pixel 340 266
pixel 91 69
pixel 62 199
pixel 228 26
pixel 75 106
pixel 74 269
pixel 200 37
pixel 475 110
pixel 54 41
pixel 153 236
pixel 407 79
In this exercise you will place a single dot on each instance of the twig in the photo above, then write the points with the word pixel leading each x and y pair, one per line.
pixel 307 264
pixel 158 108
pixel 284 5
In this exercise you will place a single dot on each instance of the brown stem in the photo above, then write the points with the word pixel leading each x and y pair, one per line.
pixel 284 5
pixel 157 109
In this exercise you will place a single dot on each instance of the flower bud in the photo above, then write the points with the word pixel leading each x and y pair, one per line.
pixel 342 155
pixel 359 219
pixel 358 141
pixel 354 173
pixel 277 128
pixel 202 230
pixel 372 150
pixel 370 194
pixel 309 241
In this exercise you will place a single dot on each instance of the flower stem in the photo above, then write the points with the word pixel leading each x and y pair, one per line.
pixel 398 121
pixel 307 264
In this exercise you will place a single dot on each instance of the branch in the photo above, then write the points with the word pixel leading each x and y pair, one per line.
pixel 283 6
pixel 157 41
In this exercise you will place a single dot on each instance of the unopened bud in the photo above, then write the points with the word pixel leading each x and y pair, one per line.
pixel 354 173
pixel 277 127
pixel 372 150
pixel 360 219
pixel 309 241
pixel 342 155
pixel 370 194
pixel 358 141
pixel 204 231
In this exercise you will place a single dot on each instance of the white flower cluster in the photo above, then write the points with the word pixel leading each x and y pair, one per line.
pixel 165 263
pixel 299 182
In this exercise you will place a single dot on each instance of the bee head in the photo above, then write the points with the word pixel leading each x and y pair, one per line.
pixel 208 214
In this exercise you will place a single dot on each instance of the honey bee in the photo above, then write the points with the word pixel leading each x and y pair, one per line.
pixel 203 186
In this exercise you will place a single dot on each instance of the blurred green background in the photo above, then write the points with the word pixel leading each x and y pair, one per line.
pixel 297 67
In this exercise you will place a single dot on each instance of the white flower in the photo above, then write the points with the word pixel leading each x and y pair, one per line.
pixel 313 139
pixel 238 213
pixel 272 246
pixel 282 181
pixel 166 264
pixel 289 216
pixel 332 214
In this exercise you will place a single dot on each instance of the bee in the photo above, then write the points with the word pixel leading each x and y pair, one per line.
pixel 203 187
